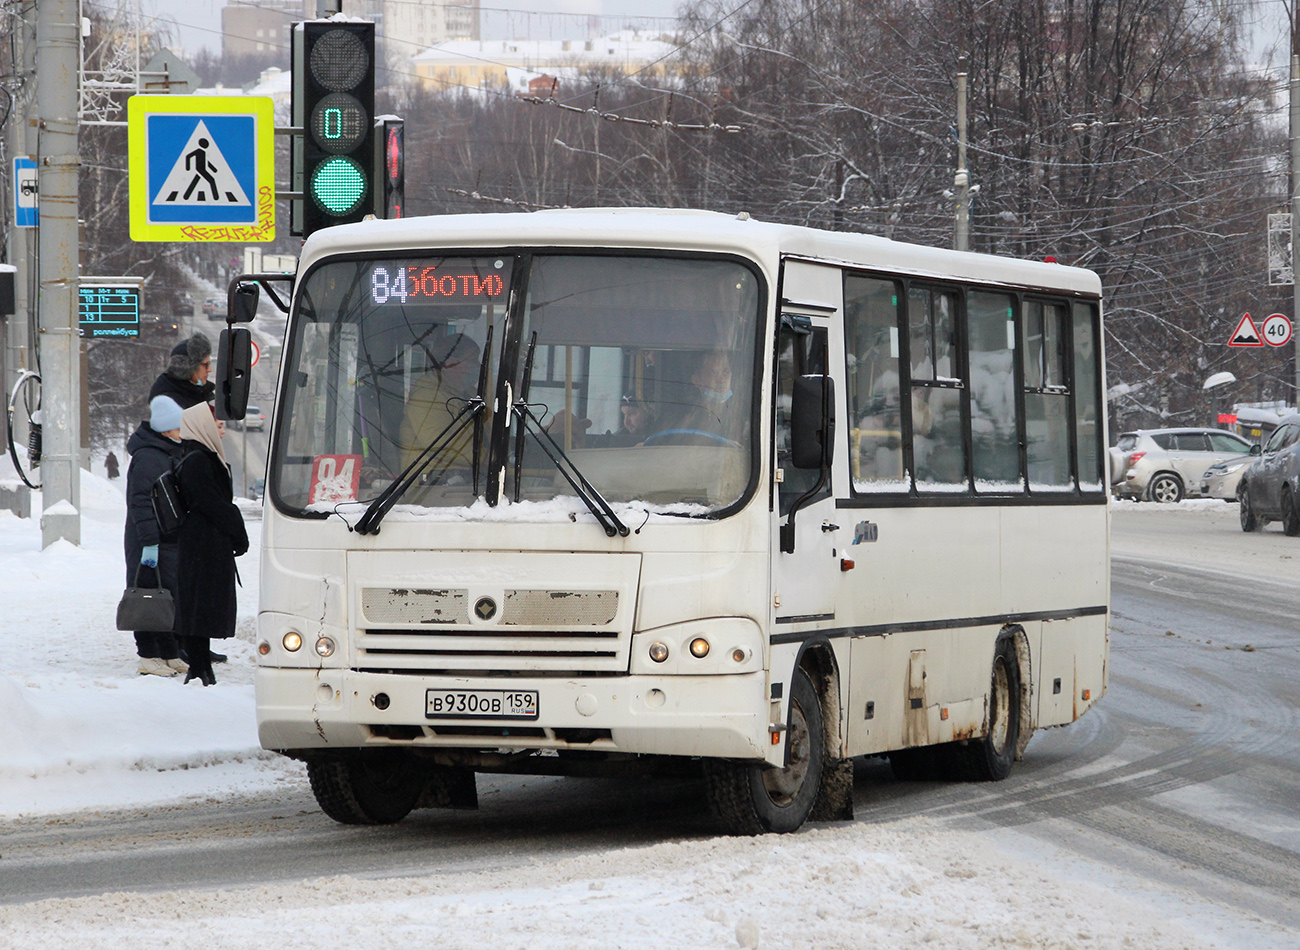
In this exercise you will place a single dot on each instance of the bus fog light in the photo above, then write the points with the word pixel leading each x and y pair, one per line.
pixel 324 647
pixel 381 701
pixel 658 651
pixel 263 648
pixel 699 648
pixel 292 641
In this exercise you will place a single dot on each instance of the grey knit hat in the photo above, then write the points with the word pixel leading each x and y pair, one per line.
pixel 187 355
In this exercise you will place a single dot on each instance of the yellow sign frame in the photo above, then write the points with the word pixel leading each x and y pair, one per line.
pixel 202 227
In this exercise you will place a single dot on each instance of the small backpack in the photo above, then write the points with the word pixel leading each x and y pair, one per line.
pixel 168 504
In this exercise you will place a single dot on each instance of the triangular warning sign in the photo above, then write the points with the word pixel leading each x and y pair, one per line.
pixel 201 176
pixel 1246 334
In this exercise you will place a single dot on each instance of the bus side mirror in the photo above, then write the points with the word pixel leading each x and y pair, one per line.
pixel 243 303
pixel 234 372
pixel 812 422
pixel 1257 449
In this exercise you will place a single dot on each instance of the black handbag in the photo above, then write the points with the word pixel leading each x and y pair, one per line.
pixel 146 608
pixel 169 506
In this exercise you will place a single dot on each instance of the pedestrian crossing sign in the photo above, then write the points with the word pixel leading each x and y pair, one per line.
pixel 202 168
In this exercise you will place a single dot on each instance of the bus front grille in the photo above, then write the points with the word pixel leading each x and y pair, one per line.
pixel 535 650
pixel 460 628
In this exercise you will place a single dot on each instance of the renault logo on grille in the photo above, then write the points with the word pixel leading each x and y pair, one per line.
pixel 485 608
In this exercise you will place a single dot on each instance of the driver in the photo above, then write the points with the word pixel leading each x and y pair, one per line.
pixel 437 398
pixel 708 408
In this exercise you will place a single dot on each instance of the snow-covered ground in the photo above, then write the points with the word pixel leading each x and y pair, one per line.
pixel 81 731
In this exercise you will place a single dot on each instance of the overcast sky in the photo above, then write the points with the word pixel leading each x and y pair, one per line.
pixel 198 22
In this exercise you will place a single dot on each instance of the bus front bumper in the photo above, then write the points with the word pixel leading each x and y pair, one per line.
pixel 723 716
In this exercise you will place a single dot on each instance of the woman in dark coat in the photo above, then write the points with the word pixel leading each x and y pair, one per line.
pixel 211 537
pixel 152 448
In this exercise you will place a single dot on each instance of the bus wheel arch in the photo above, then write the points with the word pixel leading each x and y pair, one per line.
pixel 989 758
pixel 835 794
pixel 748 799
pixel 1020 641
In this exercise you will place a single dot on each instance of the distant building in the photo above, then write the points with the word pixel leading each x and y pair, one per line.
pixel 402 27
pixel 260 27
pixel 527 66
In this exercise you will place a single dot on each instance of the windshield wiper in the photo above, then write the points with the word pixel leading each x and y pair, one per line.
pixel 592 498
pixel 472 411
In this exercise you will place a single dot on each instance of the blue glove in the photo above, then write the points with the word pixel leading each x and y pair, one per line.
pixel 149 556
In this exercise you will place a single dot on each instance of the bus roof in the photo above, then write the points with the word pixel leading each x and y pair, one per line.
pixel 668 228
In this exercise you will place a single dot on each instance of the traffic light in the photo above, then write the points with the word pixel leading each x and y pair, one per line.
pixel 333 102
pixel 390 163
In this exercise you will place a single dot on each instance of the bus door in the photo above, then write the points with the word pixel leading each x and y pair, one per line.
pixel 805 580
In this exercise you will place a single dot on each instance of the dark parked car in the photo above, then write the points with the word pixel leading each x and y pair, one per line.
pixel 1270 487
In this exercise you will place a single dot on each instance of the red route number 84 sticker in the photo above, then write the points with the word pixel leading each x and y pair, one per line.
pixel 334 479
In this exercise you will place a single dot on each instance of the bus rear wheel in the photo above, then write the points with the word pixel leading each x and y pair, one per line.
pixel 378 787
pixel 747 799
pixel 989 759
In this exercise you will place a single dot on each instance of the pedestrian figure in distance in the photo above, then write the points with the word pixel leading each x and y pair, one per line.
pixel 211 537
pixel 111 466
pixel 153 448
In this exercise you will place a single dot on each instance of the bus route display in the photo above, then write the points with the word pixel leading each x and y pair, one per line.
pixel 461 281
pixel 107 311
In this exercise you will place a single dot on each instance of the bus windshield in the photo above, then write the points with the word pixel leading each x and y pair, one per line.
pixel 638 371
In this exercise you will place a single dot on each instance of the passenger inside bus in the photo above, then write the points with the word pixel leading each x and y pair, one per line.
pixel 638 421
pixel 436 398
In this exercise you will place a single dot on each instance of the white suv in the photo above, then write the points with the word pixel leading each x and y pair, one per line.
pixel 1166 464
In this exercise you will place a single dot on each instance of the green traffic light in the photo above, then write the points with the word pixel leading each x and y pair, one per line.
pixel 338 184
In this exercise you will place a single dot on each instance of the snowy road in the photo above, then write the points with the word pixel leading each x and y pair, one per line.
pixel 1167 818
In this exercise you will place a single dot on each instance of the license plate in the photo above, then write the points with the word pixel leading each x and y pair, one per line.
pixel 480 704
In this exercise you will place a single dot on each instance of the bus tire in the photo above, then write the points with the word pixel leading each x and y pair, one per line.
pixel 748 799
pixel 377 787
pixel 989 759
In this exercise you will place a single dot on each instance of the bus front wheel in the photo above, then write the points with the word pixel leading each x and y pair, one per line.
pixel 378 787
pixel 750 800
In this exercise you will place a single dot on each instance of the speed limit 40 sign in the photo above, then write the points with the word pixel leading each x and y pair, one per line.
pixel 1276 330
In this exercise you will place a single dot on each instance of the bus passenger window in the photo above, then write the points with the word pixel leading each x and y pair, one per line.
pixel 938 447
pixel 1047 397
pixel 1087 398
pixel 995 439
pixel 874 395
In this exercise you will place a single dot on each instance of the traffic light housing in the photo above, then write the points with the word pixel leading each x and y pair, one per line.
pixel 333 104
pixel 390 167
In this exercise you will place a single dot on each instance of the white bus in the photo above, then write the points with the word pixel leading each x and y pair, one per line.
pixel 617 490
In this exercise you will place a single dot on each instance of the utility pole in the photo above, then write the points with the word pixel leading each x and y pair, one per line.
pixel 961 181
pixel 58 44
pixel 22 141
pixel 1295 196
